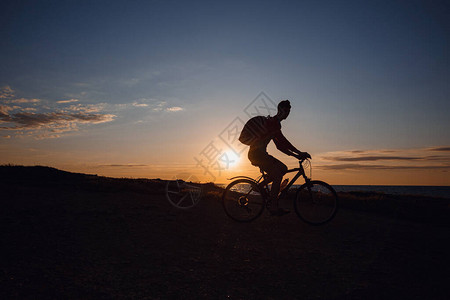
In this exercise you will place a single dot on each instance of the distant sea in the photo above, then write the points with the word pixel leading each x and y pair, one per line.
pixel 432 191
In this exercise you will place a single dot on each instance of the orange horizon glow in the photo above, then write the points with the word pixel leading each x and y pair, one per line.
pixel 382 175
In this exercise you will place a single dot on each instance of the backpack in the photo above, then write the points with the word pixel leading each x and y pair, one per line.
pixel 253 130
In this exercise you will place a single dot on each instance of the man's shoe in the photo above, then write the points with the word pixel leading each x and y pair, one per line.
pixel 279 212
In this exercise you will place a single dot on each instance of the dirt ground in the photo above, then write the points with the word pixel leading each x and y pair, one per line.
pixel 71 242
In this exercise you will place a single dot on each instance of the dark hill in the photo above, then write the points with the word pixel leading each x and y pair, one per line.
pixel 68 235
pixel 37 174
pixel 53 178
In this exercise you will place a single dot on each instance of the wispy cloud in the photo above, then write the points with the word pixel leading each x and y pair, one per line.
pixel 155 105
pixel 368 158
pixel 123 165
pixel 404 159
pixel 140 104
pixel 414 154
pixel 29 109
pixel 159 106
pixel 23 100
pixel 443 149
pixel 382 157
pixel 46 136
pixel 86 108
pixel 4 109
pixel 380 167
pixel 67 101
pixel 6 92
pixel 150 104
pixel 174 108
pixel 130 82
pixel 34 120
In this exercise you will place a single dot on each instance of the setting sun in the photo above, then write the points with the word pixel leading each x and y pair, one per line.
pixel 230 159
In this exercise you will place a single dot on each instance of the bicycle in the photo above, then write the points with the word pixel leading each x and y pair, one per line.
pixel 315 202
pixel 182 194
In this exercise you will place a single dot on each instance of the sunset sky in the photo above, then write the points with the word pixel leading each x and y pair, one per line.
pixel 158 89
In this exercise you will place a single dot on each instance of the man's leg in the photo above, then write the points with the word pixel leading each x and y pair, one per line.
pixel 276 170
pixel 276 183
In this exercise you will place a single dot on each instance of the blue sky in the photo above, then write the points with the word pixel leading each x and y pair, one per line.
pixel 169 75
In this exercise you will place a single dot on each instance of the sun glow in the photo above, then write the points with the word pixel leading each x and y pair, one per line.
pixel 231 159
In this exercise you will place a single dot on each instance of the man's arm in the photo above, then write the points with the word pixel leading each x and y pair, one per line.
pixel 286 147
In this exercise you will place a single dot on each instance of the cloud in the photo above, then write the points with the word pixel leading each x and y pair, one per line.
pixel 47 136
pixel 414 154
pixel 443 149
pixel 6 92
pixel 139 104
pixel 159 106
pixel 131 82
pixel 380 167
pixel 4 109
pixel 29 109
pixel 122 165
pixel 404 159
pixel 357 151
pixel 67 101
pixel 87 108
pixel 44 121
pixel 174 108
pixel 92 118
pixel 40 119
pixel 372 158
pixel 23 100
pixel 34 120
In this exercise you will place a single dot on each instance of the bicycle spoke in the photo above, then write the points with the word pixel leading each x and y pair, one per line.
pixel 242 200
pixel 181 200
pixel 175 193
pixel 191 195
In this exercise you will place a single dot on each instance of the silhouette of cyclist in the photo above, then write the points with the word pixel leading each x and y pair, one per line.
pixel 257 133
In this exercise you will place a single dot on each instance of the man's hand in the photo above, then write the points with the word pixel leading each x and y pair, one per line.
pixel 303 156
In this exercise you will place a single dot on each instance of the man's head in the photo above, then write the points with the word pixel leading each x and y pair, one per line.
pixel 284 108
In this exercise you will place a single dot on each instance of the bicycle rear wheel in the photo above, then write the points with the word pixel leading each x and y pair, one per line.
pixel 242 200
pixel 316 202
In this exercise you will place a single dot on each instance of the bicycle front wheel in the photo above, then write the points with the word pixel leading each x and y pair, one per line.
pixel 242 200
pixel 316 202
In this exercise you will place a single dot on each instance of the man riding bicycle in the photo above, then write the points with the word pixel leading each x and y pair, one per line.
pixel 257 133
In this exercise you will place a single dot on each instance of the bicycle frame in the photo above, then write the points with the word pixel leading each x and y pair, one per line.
pixel 300 170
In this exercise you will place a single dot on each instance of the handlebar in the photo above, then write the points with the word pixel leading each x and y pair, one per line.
pixel 302 156
pixel 301 161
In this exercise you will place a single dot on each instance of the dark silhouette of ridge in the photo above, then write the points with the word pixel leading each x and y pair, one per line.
pixel 70 235
pixel 11 173
pixel 58 179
